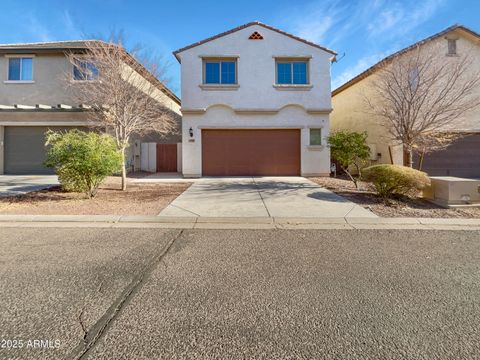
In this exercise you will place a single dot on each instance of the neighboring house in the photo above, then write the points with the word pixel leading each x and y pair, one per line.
pixel 462 158
pixel 34 98
pixel 255 101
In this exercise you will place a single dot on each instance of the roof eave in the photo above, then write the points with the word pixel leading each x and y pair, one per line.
pixel 241 27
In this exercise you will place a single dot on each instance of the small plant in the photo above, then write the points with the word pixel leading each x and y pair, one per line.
pixel 349 148
pixel 82 160
pixel 389 180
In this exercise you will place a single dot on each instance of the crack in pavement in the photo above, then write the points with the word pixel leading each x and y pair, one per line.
pixel 82 324
pixel 181 208
pixel 349 211
pixel 101 326
pixel 261 197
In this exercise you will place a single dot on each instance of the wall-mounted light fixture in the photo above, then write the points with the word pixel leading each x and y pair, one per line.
pixel 190 131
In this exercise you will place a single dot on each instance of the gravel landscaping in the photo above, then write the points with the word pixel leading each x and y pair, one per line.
pixel 138 199
pixel 404 207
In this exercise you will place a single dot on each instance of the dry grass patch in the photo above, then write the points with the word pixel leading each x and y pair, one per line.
pixel 138 199
pixel 400 207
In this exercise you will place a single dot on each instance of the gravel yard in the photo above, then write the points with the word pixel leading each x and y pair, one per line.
pixel 138 199
pixel 404 207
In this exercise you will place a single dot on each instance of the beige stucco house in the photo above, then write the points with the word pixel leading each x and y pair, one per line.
pixel 34 98
pixel 462 158
pixel 255 101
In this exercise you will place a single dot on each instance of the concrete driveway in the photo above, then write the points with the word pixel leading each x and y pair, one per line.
pixel 261 197
pixel 21 184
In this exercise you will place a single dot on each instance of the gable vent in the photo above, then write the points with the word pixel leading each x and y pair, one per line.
pixel 256 36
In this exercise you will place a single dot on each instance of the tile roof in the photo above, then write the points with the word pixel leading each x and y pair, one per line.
pixel 50 45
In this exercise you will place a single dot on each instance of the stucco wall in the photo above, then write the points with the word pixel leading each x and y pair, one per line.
pixel 49 87
pixel 256 72
pixel 350 111
pixel 314 160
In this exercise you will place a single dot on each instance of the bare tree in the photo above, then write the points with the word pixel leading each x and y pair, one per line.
pixel 421 95
pixel 124 97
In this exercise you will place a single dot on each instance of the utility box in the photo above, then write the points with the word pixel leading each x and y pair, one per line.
pixel 450 191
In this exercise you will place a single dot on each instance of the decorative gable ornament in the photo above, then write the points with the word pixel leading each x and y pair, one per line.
pixel 256 36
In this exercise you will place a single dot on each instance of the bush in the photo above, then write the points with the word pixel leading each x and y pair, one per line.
pixel 395 179
pixel 82 160
pixel 349 148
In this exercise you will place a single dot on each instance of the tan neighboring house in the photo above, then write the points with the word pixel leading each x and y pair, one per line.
pixel 461 159
pixel 34 98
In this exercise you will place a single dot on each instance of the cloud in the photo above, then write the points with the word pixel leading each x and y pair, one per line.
pixel 386 20
pixel 70 28
pixel 387 26
pixel 328 22
pixel 315 20
pixel 394 19
pixel 37 30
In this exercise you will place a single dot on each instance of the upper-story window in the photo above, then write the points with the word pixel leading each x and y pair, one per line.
pixel 220 71
pixel 292 72
pixel 20 69
pixel 85 70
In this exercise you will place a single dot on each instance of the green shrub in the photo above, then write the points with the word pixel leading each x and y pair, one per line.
pixel 82 160
pixel 349 148
pixel 395 179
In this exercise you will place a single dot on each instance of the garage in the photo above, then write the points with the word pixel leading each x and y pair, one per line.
pixel 24 149
pixel 274 152
pixel 462 159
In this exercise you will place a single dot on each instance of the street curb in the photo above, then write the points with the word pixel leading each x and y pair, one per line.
pixel 116 221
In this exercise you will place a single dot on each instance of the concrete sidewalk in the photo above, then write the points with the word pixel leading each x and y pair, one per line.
pixel 261 197
pixel 114 221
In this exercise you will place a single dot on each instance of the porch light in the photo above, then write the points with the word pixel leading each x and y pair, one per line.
pixel 190 131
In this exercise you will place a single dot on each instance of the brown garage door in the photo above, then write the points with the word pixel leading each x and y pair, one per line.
pixel 250 152
pixel 462 159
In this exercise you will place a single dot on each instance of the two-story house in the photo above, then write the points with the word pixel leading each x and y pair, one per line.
pixel 34 97
pixel 255 101
pixel 462 158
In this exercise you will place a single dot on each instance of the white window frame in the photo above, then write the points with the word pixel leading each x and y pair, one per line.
pixel 16 56
pixel 310 138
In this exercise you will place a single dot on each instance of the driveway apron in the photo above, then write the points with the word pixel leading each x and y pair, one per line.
pixel 261 197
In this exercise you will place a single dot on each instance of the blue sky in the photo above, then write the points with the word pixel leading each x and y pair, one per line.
pixel 365 31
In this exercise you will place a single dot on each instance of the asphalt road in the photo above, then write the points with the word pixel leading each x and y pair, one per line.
pixel 221 294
